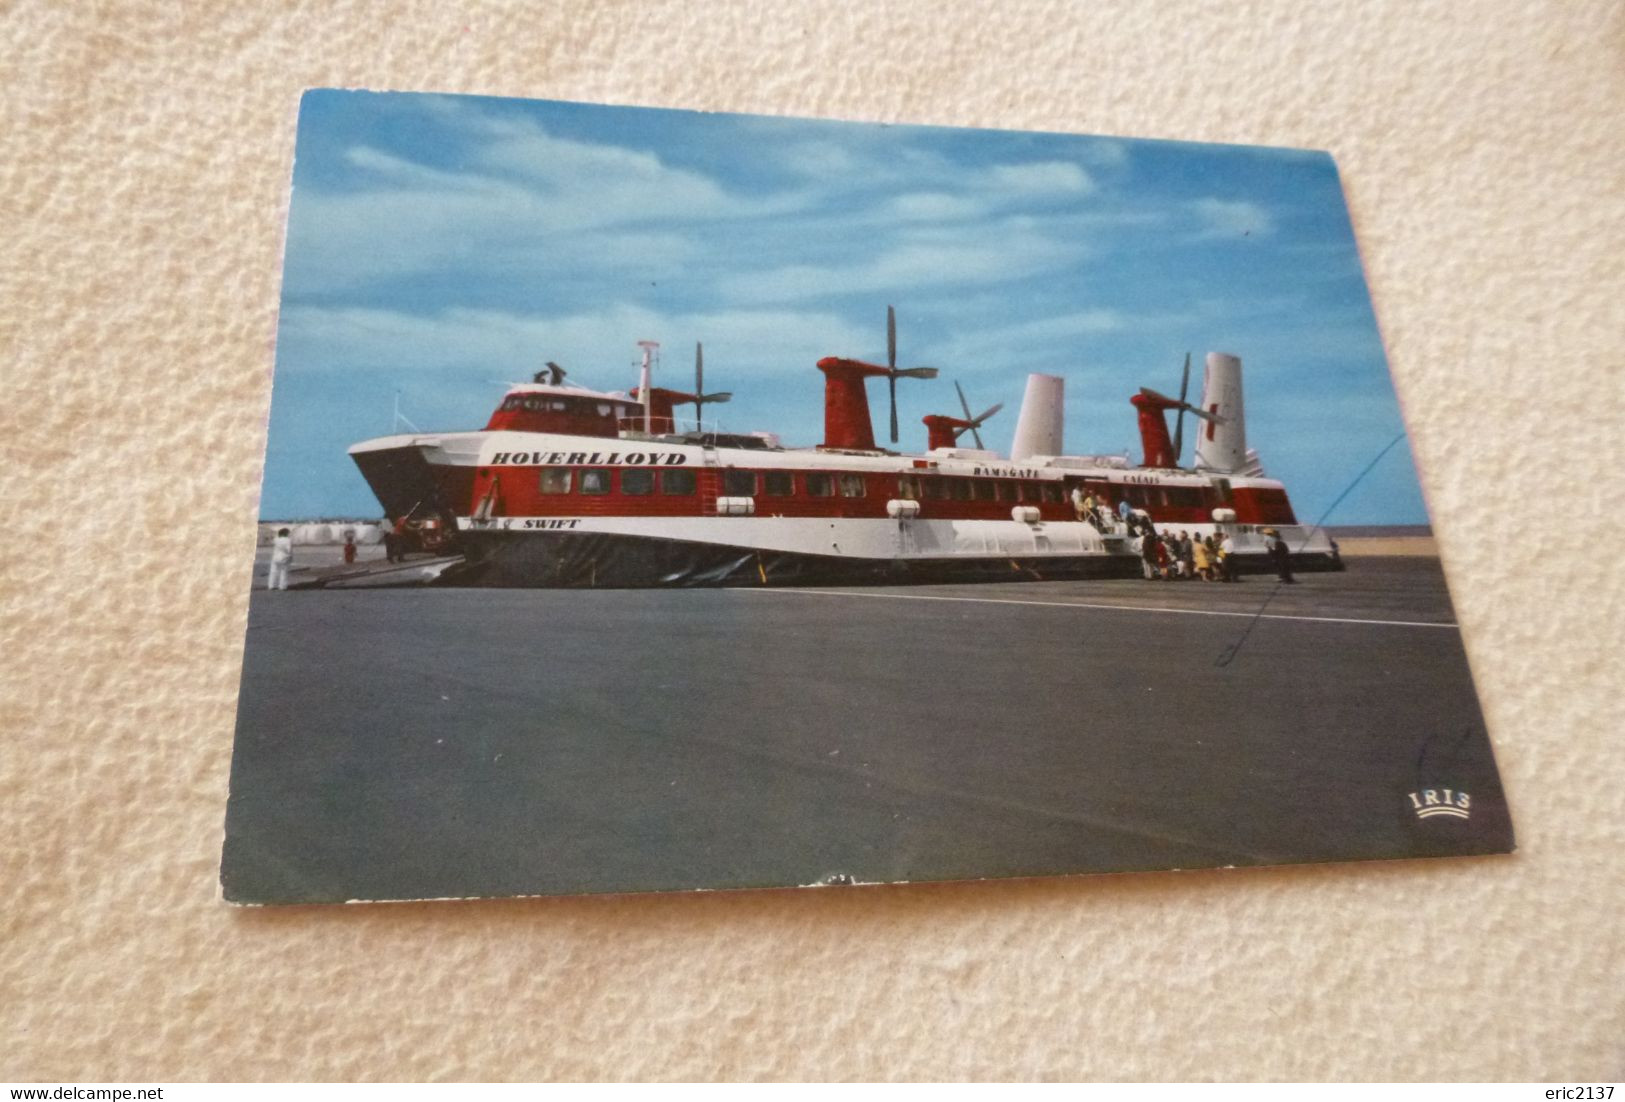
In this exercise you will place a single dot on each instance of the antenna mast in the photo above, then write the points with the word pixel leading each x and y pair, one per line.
pixel 651 350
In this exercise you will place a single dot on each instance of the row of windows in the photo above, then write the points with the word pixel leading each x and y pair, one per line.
pixel 637 481
pixel 914 488
pixel 783 484
pixel 1142 497
pixel 679 482
pixel 539 403
pixel 641 481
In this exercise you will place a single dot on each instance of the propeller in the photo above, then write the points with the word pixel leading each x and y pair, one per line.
pixel 977 421
pixel 1174 403
pixel 555 374
pixel 893 372
pixel 1182 406
pixel 700 396
pixel 1179 421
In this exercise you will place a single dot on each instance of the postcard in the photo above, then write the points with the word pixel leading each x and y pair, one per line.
pixel 657 500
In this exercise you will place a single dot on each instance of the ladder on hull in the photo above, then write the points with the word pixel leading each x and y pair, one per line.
pixel 709 482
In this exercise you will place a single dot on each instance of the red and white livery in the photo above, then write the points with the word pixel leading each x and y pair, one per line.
pixel 568 486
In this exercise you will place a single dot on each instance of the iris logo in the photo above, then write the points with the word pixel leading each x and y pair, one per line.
pixel 1430 803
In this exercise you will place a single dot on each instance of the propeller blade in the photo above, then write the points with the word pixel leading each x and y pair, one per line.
pixel 891 337
pixel 975 421
pixel 699 368
pixel 914 373
pixel 1179 422
pixel 892 379
pixel 719 396
pixel 1194 411
pixel 964 405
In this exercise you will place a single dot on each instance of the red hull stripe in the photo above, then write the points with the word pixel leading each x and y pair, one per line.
pixel 660 485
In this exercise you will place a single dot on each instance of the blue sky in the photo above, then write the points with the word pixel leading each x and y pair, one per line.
pixel 441 246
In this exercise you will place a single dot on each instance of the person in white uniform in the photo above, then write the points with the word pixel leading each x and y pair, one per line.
pixel 281 556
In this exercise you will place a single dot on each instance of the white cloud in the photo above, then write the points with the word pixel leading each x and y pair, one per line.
pixel 1040 178
pixel 598 348
pixel 422 220
pixel 398 172
pixel 934 206
pixel 1049 339
pixel 527 199
pixel 1105 152
pixel 587 184
pixel 817 159
pixel 1231 218
pixel 964 196
pixel 974 255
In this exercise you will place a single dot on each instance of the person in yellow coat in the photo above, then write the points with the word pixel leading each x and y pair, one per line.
pixel 1204 565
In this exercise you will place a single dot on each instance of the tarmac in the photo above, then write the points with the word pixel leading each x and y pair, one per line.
pixel 431 742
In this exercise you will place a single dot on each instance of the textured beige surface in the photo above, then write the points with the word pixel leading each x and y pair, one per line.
pixel 144 169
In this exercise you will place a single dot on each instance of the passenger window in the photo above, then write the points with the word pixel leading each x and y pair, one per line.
pixel 908 487
pixel 777 483
pixel 851 485
pixel 556 480
pixel 983 489
pixel 637 481
pixel 595 480
pixel 1005 490
pixel 820 485
pixel 738 483
pixel 677 482
pixel 960 488
pixel 1052 492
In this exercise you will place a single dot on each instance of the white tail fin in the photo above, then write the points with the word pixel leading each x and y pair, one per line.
pixel 1038 428
pixel 1222 445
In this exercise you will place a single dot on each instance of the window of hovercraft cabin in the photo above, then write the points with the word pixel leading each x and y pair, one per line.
pixel 562 413
pixel 960 488
pixel 1172 502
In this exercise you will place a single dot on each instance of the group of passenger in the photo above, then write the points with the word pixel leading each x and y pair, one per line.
pixel 1096 511
pixel 1168 557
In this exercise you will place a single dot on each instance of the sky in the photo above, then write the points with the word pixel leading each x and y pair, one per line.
pixel 441 247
